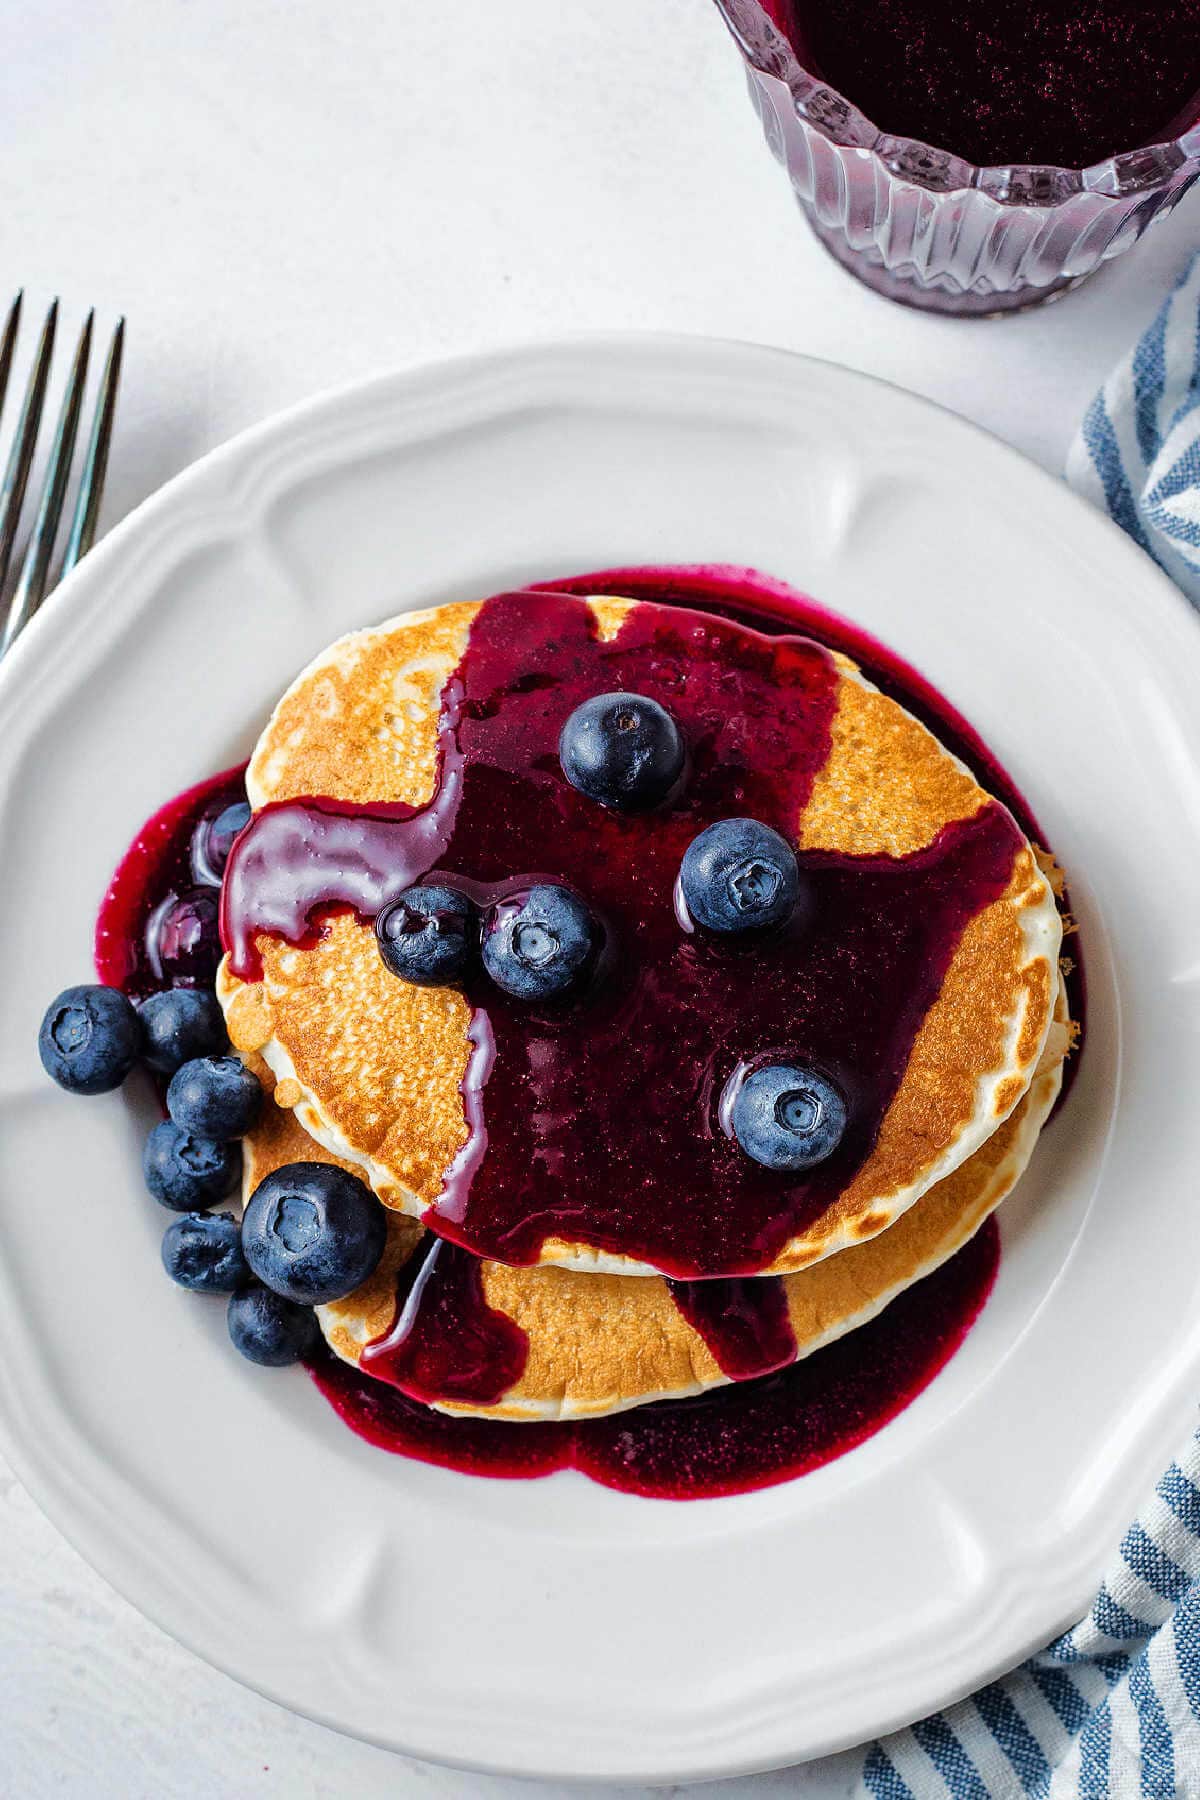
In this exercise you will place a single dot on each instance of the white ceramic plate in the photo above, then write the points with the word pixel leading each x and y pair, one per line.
pixel 555 1627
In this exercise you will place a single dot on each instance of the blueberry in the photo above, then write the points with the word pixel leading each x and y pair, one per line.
pixel 788 1118
pixel 428 935
pixel 268 1329
pixel 186 1172
pixel 203 1252
pixel 212 841
pixel 90 1039
pixel 179 1024
pixel 541 944
pixel 214 1097
pixel 739 876
pixel 313 1233
pixel 624 750
pixel 183 938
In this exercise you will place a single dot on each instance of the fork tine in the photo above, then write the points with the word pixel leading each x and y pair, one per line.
pixel 12 493
pixel 8 343
pixel 95 465
pixel 32 584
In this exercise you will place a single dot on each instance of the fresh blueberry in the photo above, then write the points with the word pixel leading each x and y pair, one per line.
pixel 428 935
pixel 183 938
pixel 185 1172
pixel 541 944
pixel 739 876
pixel 788 1118
pixel 624 750
pixel 313 1233
pixel 268 1329
pixel 90 1039
pixel 214 1097
pixel 179 1024
pixel 212 841
pixel 203 1252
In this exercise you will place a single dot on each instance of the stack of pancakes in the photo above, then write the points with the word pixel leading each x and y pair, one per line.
pixel 368 1071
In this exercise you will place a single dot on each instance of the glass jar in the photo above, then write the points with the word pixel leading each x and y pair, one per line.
pixel 929 229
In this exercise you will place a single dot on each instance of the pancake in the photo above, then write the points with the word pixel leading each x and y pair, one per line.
pixel 376 1068
pixel 599 1344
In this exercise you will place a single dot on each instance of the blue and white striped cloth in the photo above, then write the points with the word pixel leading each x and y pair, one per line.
pixel 1138 451
pixel 1111 1710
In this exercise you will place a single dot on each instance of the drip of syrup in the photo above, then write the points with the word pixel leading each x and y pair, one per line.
pixel 743 1320
pixel 771 606
pixel 446 1342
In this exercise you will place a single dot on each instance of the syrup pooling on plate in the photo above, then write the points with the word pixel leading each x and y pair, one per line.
pixel 157 924
pixel 729 1441
pixel 445 1342
pixel 600 1116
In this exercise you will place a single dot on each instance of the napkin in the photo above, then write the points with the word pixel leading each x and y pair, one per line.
pixel 1110 1710
pixel 1137 453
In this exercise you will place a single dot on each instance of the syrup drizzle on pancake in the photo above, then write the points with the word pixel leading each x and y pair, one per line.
pixel 770 606
pixel 156 869
pixel 599 1117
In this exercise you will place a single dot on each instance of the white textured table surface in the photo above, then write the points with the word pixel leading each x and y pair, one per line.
pixel 283 196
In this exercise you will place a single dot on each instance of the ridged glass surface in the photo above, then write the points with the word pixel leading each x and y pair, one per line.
pixel 929 229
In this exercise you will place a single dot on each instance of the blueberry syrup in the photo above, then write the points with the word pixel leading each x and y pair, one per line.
pixel 157 925
pixel 743 1320
pixel 1059 82
pixel 600 1116
pixel 729 1441
pixel 446 1342
pixel 774 609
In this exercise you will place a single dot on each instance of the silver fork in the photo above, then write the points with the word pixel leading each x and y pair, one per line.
pixel 34 579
